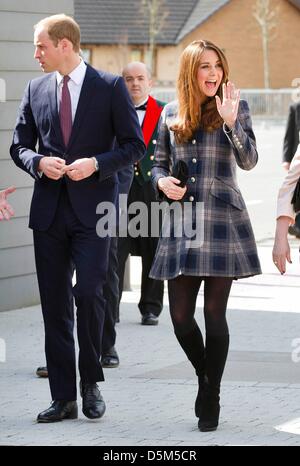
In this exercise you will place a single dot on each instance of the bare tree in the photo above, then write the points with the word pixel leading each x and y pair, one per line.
pixel 266 16
pixel 155 14
pixel 122 56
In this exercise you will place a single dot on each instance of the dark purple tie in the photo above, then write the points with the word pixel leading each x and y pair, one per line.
pixel 65 111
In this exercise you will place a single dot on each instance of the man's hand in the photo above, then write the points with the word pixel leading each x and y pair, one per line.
pixel 52 167
pixel 6 210
pixel 80 169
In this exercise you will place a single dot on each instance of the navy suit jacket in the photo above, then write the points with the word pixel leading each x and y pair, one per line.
pixel 105 115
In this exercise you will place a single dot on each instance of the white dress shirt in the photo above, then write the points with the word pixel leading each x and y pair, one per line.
pixel 74 85
pixel 141 113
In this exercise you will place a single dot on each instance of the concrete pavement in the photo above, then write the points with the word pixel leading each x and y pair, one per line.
pixel 150 397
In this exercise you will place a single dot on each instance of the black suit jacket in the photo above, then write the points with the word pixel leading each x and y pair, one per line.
pixel 291 138
pixel 105 115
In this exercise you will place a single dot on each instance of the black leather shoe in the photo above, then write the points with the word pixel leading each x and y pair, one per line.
pixel 42 371
pixel 93 405
pixel 110 358
pixel 58 411
pixel 149 319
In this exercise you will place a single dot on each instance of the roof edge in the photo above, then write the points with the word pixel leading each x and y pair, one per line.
pixel 179 39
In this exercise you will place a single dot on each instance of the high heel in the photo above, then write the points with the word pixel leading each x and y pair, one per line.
pixel 216 351
pixel 210 412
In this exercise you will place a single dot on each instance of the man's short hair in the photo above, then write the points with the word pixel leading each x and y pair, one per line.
pixel 148 70
pixel 61 27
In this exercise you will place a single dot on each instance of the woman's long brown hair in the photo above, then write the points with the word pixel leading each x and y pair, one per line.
pixel 195 110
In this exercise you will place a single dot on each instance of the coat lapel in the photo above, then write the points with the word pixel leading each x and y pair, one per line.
pixel 52 96
pixel 87 92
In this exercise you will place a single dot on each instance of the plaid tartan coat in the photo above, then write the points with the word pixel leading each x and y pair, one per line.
pixel 228 247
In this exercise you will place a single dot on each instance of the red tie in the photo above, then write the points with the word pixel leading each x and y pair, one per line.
pixel 65 111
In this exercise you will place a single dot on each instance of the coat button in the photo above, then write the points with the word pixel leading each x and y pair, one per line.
pixel 193 179
pixel 151 157
pixel 191 198
pixel 154 141
pixel 194 160
pixel 149 173
pixel 194 141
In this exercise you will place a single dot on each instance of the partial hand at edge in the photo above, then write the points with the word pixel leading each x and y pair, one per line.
pixel 281 249
pixel 6 210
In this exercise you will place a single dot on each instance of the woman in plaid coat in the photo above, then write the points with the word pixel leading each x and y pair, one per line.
pixel 211 136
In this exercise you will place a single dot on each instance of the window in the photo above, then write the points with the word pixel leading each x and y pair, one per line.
pixel 142 54
pixel 136 55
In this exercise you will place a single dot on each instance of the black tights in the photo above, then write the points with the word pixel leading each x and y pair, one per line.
pixel 183 291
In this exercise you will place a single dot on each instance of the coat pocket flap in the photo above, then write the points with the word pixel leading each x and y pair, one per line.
pixel 222 190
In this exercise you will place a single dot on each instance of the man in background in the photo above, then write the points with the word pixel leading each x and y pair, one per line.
pixel 138 82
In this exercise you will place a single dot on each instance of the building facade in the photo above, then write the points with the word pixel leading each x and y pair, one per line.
pixel 111 39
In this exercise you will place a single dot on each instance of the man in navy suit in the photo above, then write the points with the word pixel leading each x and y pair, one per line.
pixel 74 114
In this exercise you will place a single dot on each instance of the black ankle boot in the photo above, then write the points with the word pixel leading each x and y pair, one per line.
pixel 210 412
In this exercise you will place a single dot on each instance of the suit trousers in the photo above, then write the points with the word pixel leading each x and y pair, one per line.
pixel 151 299
pixel 111 294
pixel 65 246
